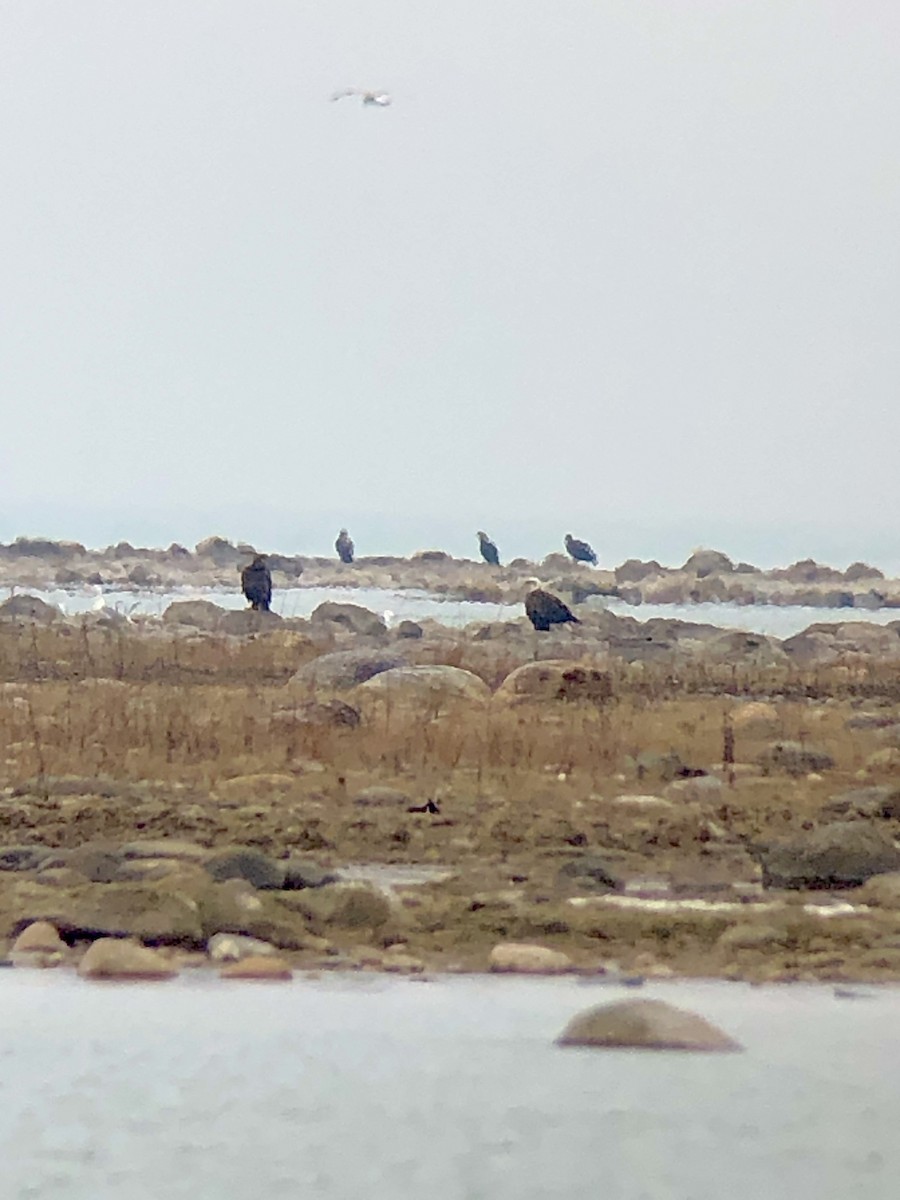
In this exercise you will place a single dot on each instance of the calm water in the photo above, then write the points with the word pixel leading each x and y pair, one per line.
pixel 351 1087
pixel 300 602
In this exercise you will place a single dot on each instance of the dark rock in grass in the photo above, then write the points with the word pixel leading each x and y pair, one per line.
pixel 644 1024
pixel 877 801
pixel 335 714
pixel 246 863
pixel 795 758
pixel 299 873
pixel 95 864
pixel 588 873
pixel 842 855
pixel 664 767
pixel 23 858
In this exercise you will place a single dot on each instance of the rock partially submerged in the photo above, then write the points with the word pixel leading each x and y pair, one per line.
pixel 120 958
pixel 647 1025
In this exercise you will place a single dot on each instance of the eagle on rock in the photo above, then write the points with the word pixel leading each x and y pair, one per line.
pixel 543 609
pixel 256 584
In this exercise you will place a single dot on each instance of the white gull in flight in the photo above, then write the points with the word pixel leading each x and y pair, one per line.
pixel 382 99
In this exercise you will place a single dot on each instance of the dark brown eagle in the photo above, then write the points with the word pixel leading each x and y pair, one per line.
pixel 543 609
pixel 581 551
pixel 489 551
pixel 256 584
pixel 344 546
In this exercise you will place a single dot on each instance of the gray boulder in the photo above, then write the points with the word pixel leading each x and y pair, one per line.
pixel 876 801
pixel 353 617
pixel 29 608
pixel 703 563
pixel 92 910
pixel 342 670
pixel 424 689
pixel 222 552
pixel 198 614
pixel 842 855
pixel 589 872
pixel 241 622
pixel 409 629
pixel 243 862
pixel 23 858
pixel 795 758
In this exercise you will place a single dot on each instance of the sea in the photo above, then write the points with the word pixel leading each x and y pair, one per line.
pixel 363 1085
pixel 398 605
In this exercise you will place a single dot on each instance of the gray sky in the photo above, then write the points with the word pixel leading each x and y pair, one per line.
pixel 623 267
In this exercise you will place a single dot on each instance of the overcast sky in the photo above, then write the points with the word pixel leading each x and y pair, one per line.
pixel 625 267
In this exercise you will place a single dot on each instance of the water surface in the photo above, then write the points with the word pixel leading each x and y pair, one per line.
pixel 368 1086
pixel 769 619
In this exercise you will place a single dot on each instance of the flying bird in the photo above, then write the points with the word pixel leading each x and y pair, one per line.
pixel 382 99
pixel 489 551
pixel 543 609
pixel 344 546
pixel 580 551
pixel 256 584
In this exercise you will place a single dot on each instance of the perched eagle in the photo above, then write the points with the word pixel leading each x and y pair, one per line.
pixel 256 584
pixel 489 551
pixel 543 609
pixel 382 99
pixel 344 546
pixel 580 551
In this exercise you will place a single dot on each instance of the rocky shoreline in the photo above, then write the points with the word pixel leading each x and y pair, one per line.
pixel 621 799
pixel 708 576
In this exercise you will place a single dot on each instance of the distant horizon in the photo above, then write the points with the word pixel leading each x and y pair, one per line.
pixel 313 534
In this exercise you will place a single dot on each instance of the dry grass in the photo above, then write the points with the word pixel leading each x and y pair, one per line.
pixel 140 706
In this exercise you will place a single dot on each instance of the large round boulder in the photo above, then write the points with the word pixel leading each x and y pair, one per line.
pixel 28 608
pixel 342 670
pixel 352 617
pixel 426 689
pixel 557 679
pixel 645 1024
pixel 704 563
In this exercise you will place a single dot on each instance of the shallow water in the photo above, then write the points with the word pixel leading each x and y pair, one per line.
pixel 366 1086
pixel 415 605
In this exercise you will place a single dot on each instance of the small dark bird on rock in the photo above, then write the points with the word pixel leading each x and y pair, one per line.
pixel 256 583
pixel 543 609
pixel 344 547
pixel 489 551
pixel 428 807
pixel 580 551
